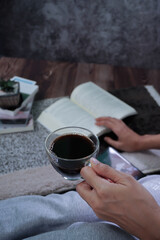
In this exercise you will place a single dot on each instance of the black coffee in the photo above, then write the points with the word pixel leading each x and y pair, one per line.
pixel 72 146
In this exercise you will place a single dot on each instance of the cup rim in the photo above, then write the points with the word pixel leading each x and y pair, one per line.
pixel 77 159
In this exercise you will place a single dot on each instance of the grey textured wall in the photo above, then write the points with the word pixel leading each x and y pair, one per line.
pixel 119 32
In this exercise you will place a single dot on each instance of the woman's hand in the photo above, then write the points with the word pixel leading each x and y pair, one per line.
pixel 128 140
pixel 119 198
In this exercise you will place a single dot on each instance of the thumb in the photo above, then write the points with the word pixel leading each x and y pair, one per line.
pixel 106 171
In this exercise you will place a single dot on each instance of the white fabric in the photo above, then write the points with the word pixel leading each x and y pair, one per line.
pixel 152 184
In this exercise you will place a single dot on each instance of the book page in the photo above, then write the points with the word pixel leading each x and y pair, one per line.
pixel 65 113
pixel 99 102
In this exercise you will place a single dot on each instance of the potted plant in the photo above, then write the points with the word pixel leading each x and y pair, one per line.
pixel 9 94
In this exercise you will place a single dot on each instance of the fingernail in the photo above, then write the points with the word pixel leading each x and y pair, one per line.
pixel 94 161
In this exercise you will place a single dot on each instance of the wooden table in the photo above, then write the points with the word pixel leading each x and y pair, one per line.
pixel 58 79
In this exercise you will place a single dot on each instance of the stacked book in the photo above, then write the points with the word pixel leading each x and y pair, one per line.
pixel 20 119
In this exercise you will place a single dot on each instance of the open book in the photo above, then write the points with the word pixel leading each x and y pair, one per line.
pixel 87 102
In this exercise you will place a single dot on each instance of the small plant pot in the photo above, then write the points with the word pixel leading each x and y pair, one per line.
pixel 9 94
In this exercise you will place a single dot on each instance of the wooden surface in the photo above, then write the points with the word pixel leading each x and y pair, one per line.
pixel 60 78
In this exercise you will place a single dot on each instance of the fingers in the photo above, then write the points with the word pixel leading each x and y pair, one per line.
pixel 107 119
pixel 85 186
pixel 86 192
pixel 106 171
pixel 99 174
pixel 103 118
pixel 100 180
pixel 93 185
pixel 112 123
pixel 114 143
pixel 103 121
pixel 84 189
pixel 92 178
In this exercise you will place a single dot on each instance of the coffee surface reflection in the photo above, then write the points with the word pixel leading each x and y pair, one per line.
pixel 72 146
